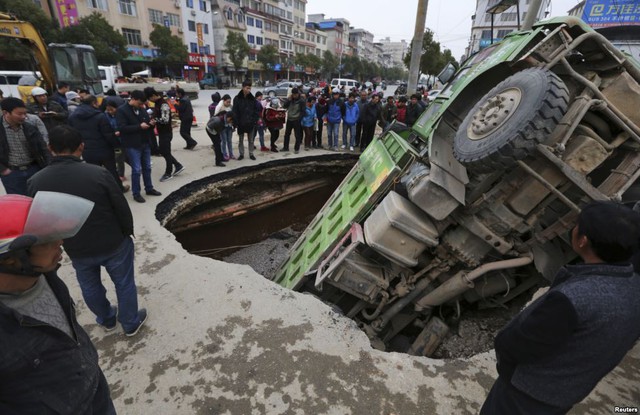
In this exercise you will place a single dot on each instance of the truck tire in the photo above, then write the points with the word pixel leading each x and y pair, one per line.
pixel 511 119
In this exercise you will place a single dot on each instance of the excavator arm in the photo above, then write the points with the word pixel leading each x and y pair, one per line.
pixel 26 32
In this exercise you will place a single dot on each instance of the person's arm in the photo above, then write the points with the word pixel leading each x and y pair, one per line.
pixel 107 131
pixel 119 203
pixel 123 122
pixel 540 334
pixel 60 113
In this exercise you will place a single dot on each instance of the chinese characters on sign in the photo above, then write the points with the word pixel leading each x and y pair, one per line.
pixel 67 12
pixel 603 13
pixel 202 60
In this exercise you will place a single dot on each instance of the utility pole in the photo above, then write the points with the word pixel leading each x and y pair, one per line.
pixel 416 47
pixel 532 14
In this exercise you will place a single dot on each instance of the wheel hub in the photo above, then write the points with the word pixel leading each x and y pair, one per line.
pixel 494 113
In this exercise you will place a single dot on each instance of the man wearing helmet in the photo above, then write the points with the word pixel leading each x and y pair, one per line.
pixel 23 151
pixel 50 112
pixel 48 364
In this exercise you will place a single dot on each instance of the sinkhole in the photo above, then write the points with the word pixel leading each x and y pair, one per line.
pixel 253 214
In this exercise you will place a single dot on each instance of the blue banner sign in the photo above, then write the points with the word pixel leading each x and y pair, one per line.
pixel 605 13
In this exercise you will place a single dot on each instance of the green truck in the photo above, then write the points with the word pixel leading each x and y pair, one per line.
pixel 471 207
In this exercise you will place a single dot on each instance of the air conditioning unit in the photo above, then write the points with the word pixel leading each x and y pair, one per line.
pixel 145 44
pixel 180 30
pixel 193 12
pixel 177 4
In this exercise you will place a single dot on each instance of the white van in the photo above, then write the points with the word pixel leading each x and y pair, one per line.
pixel 9 82
pixel 108 76
pixel 348 84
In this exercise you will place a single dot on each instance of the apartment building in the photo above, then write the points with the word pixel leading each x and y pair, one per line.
pixel 494 19
pixel 393 52
pixel 361 41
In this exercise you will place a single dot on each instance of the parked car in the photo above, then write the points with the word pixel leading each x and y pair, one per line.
pixel 283 89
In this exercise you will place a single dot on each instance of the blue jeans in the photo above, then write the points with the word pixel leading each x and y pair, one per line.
pixel 16 181
pixel 352 133
pixel 119 266
pixel 260 132
pixel 140 160
pixel 227 146
pixel 333 132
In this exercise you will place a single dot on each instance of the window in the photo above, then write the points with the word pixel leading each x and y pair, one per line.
pixel 240 17
pixel 251 39
pixel 508 17
pixel 206 49
pixel 190 4
pixel 174 19
pixel 252 57
pixel 503 33
pixel 191 25
pixel 250 21
pixel 193 46
pixel 205 28
pixel 259 40
pixel 289 16
pixel 127 7
pixel 97 4
pixel 487 17
pixel 283 44
pixel 259 24
pixel 133 36
pixel 203 5
pixel 486 34
pixel 229 14
pixel 155 16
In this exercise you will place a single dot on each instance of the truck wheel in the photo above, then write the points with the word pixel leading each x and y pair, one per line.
pixel 511 119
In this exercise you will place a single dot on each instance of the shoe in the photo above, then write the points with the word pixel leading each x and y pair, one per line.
pixel 252 157
pixel 191 147
pixel 125 188
pixel 109 325
pixel 296 151
pixel 139 198
pixel 274 149
pixel 343 146
pixel 319 147
pixel 285 148
pixel 220 164
pixel 233 157
pixel 351 148
pixel 166 177
pixel 306 148
pixel 142 317
pixel 263 148
pixel 335 148
pixel 226 158
pixel 153 192
pixel 178 170
pixel 240 157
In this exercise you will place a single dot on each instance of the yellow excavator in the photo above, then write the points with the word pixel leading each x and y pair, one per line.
pixel 74 64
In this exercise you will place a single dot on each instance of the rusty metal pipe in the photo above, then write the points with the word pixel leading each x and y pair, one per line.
pixel 463 280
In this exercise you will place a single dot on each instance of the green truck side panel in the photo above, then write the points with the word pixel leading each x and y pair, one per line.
pixel 380 164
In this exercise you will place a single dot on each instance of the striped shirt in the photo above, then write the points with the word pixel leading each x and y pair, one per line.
pixel 19 154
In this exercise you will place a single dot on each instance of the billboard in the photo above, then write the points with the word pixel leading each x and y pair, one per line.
pixel 67 12
pixel 606 13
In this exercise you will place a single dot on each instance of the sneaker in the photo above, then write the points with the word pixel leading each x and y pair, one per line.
pixel 220 164
pixel 351 148
pixel 263 148
pixel 240 157
pixel 110 324
pixel 306 148
pixel 233 157
pixel 178 170
pixel 191 147
pixel 142 317
pixel 139 198
pixel 343 146
pixel 274 149
pixel 166 177
pixel 153 192
pixel 125 188
pixel 226 158
pixel 285 148
pixel 252 157
pixel 295 151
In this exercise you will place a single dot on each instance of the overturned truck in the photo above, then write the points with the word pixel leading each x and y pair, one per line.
pixel 471 207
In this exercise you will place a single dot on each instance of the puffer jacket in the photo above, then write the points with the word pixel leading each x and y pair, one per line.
pixel 95 128
pixel 351 113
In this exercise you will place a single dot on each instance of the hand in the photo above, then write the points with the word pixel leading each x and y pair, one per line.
pixel 5 172
pixel 144 126
pixel 117 133
pixel 152 122
pixel 42 114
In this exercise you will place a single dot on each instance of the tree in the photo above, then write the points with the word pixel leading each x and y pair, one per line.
pixel 329 63
pixel 109 44
pixel 26 10
pixel 237 48
pixel 170 47
pixel 431 61
pixel 268 57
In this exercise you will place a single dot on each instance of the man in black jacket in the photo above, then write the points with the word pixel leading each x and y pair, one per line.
pixel 372 114
pixel 105 238
pixel 185 113
pixel 50 112
pixel 162 116
pixel 99 138
pixel 414 110
pixel 23 151
pixel 48 364
pixel 136 131
pixel 245 118
pixel 215 126
pixel 552 354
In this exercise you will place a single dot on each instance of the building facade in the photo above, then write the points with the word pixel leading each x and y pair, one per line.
pixel 393 52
